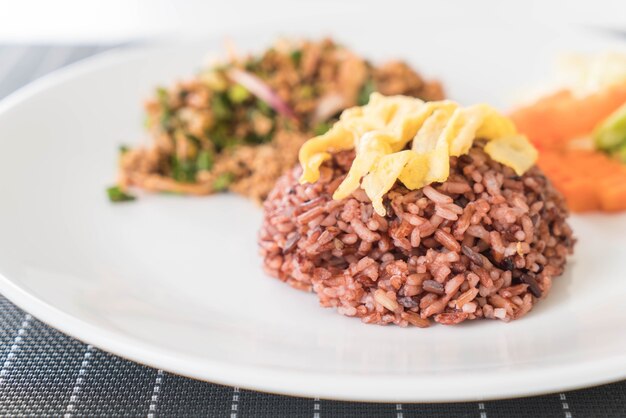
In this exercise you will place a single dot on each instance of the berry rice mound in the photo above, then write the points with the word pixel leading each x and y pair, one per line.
pixel 485 243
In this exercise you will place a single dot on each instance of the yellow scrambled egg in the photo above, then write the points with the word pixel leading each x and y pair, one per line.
pixel 381 131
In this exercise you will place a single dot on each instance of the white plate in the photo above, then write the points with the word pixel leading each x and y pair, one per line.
pixel 176 283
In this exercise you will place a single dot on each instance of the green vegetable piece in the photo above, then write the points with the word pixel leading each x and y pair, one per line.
pixel 264 108
pixel 118 195
pixel 221 137
pixel 238 94
pixel 364 95
pixel 222 181
pixel 205 160
pixel 123 149
pixel 166 111
pixel 166 117
pixel 183 170
pixel 296 57
pixel 253 138
pixel 321 128
pixel 162 95
pixel 221 107
pixel 610 135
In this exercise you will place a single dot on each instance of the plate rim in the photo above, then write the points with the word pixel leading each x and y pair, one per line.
pixel 337 387
pixel 461 387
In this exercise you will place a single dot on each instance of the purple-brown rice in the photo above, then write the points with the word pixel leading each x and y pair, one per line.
pixel 484 244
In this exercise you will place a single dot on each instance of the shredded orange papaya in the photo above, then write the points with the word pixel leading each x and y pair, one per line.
pixel 589 180
pixel 555 120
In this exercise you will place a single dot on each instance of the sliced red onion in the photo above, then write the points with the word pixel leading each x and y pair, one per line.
pixel 328 106
pixel 261 90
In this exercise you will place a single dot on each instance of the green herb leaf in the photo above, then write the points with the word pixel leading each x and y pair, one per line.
pixel 166 111
pixel 221 108
pixel 321 128
pixel 254 138
pixel 364 94
pixel 123 149
pixel 118 195
pixel 183 170
pixel 264 108
pixel 162 95
pixel 205 160
pixel 166 117
pixel 222 181
pixel 221 137
pixel 296 57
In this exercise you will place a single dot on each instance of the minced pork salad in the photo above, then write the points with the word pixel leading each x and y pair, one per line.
pixel 238 125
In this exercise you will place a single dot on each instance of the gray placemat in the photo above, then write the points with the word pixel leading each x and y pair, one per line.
pixel 46 373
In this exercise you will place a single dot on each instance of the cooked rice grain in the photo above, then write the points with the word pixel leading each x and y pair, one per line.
pixel 484 244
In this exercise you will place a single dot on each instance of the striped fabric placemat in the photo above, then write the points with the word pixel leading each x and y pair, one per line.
pixel 46 373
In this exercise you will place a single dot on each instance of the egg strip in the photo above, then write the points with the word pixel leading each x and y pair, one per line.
pixel 381 131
